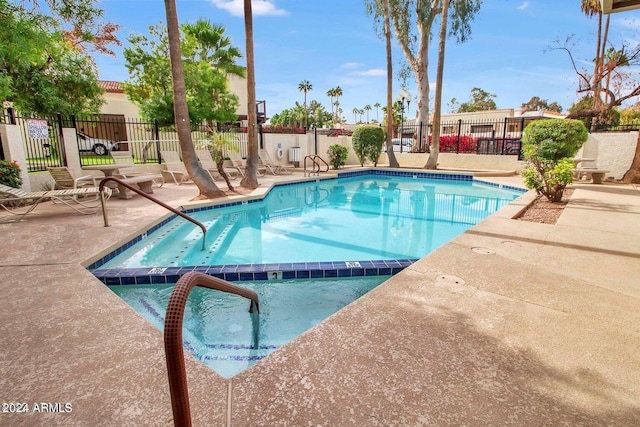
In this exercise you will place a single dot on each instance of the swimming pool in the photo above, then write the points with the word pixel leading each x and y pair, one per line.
pixel 218 328
pixel 360 224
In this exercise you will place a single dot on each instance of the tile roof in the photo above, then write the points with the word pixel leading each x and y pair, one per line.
pixel 110 86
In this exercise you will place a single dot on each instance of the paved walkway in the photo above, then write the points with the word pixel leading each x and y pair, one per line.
pixel 512 323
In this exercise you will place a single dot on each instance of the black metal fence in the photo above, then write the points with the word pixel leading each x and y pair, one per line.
pixel 497 137
pixel 42 138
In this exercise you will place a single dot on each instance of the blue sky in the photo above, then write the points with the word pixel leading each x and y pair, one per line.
pixel 331 43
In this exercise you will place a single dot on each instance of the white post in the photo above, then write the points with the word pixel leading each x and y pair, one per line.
pixel 13 149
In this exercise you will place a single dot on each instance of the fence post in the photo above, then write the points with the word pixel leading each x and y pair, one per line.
pixel 11 113
pixel 61 145
pixel 504 136
pixel 156 132
pixel 458 139
pixel 419 139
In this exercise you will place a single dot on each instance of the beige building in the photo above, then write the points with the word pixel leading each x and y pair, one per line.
pixel 118 105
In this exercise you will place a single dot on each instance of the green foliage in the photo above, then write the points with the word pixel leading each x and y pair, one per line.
pixel 208 57
pixel 538 104
pixel 337 155
pixel 548 147
pixel 10 173
pixel 44 66
pixel 607 118
pixel 295 116
pixel 481 100
pixel 367 143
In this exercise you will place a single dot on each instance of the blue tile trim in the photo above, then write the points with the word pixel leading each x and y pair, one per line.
pixel 254 272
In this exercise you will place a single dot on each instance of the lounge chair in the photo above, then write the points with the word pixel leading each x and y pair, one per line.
pixel 175 168
pixel 128 168
pixel 241 166
pixel 65 179
pixel 10 197
pixel 210 165
pixel 273 167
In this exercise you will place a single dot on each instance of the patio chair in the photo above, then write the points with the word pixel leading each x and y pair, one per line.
pixel 175 168
pixel 211 167
pixel 65 179
pixel 241 166
pixel 128 168
pixel 273 167
pixel 11 197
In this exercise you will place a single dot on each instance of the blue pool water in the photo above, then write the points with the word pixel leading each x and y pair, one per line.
pixel 368 217
pixel 347 234
pixel 218 327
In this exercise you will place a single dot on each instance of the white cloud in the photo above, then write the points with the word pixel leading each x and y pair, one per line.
pixel 523 6
pixel 373 72
pixel 351 65
pixel 258 7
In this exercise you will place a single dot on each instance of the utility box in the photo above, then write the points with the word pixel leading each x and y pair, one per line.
pixel 295 155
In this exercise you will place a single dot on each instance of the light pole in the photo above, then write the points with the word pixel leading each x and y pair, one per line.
pixel 402 98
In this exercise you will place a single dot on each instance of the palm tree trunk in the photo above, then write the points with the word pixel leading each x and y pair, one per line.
pixel 204 182
pixel 250 179
pixel 393 162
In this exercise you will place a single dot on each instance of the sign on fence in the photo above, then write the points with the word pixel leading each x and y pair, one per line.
pixel 38 129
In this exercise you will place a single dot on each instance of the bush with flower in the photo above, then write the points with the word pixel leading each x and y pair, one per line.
pixel 10 173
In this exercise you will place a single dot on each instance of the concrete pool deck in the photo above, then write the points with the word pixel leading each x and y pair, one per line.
pixel 511 323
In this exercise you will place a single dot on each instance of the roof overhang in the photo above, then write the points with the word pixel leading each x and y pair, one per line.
pixel 611 6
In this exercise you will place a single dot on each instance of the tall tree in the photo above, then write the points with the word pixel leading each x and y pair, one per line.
pixel 305 87
pixel 45 65
pixel 481 100
pixel 367 108
pixel 250 179
pixel 432 161
pixel 377 107
pixel 204 182
pixel 380 10
pixel 538 104
pixel 208 58
pixel 412 22
pixel 331 93
pixel 337 93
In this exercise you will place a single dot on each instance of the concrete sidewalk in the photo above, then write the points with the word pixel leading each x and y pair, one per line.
pixel 512 323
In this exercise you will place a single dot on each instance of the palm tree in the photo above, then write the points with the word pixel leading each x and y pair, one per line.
pixel 305 87
pixel 331 93
pixel 432 162
pixel 338 94
pixel 367 108
pixel 202 179
pixel 377 106
pixel 355 112
pixel 250 179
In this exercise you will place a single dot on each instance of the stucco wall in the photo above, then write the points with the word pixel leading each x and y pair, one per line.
pixel 612 151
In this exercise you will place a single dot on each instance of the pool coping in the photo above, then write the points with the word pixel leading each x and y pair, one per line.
pixel 270 271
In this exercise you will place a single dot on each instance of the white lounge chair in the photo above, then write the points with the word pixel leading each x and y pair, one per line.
pixel 273 167
pixel 11 198
pixel 175 168
pixel 128 168
pixel 65 179
pixel 210 165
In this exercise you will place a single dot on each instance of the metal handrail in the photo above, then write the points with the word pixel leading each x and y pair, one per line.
pixel 153 199
pixel 173 346
pixel 316 166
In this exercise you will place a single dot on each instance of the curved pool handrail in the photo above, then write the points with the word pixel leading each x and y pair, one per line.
pixel 316 166
pixel 174 351
pixel 154 200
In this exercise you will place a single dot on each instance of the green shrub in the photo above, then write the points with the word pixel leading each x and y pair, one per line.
pixel 367 143
pixel 10 173
pixel 337 155
pixel 548 147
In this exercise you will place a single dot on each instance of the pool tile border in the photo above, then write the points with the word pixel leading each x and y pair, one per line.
pixel 284 271
pixel 254 272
